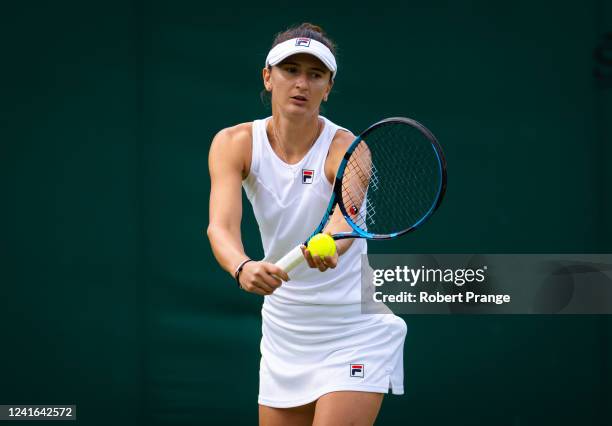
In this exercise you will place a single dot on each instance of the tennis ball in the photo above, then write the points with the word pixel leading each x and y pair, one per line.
pixel 322 245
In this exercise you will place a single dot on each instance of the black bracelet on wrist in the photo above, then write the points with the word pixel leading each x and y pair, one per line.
pixel 239 270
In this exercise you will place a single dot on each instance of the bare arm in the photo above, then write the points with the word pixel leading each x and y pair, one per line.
pixel 336 223
pixel 228 165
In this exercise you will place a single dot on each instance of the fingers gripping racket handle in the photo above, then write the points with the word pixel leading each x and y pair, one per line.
pixel 292 259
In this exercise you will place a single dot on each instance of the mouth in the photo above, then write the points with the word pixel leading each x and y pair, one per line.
pixel 299 98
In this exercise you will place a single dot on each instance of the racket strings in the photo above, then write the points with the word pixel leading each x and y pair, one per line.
pixel 392 179
pixel 359 177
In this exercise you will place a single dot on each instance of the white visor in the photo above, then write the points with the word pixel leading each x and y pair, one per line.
pixel 313 47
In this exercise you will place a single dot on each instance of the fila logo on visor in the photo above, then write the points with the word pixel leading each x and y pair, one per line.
pixel 357 370
pixel 307 176
pixel 302 42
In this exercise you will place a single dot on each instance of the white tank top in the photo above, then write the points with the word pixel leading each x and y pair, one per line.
pixel 289 202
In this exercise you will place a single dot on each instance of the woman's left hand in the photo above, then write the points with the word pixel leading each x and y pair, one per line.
pixel 322 264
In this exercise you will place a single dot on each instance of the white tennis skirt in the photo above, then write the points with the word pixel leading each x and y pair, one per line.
pixel 310 350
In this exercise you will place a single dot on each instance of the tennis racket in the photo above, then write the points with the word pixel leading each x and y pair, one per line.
pixel 391 180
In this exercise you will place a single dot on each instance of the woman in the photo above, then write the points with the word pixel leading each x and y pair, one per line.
pixel 323 362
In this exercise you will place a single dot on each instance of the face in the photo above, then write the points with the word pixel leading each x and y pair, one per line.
pixel 298 84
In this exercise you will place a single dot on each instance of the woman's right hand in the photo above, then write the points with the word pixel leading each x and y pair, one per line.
pixel 261 277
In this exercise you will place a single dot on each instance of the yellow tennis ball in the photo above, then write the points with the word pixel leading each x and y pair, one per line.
pixel 322 245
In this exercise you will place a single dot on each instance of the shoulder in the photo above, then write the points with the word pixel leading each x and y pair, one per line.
pixel 340 143
pixel 237 135
pixel 343 137
pixel 233 145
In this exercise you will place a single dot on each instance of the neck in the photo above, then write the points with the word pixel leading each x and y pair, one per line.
pixel 292 137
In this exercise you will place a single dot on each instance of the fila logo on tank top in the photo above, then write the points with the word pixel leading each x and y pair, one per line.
pixel 288 201
pixel 307 176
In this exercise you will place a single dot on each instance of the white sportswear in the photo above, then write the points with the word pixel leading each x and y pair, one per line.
pixel 315 338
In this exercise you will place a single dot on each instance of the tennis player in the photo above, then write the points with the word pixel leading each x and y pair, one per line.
pixel 322 361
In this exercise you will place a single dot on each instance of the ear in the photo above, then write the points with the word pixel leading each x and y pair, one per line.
pixel 266 74
pixel 328 90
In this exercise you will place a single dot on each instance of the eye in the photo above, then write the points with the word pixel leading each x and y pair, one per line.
pixel 316 75
pixel 291 69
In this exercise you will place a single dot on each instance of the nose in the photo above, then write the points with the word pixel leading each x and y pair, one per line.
pixel 301 80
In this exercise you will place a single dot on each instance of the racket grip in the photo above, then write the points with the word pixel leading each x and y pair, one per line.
pixel 292 259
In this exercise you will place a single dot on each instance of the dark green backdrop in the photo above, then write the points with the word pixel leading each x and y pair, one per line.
pixel 110 296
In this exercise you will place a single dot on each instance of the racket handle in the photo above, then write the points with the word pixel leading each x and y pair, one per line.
pixel 292 259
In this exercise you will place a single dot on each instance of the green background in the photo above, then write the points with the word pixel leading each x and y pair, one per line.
pixel 110 296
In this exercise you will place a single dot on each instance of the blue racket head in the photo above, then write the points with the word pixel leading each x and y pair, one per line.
pixel 391 180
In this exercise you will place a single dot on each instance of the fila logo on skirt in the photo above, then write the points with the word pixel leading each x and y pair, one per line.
pixel 357 370
pixel 307 175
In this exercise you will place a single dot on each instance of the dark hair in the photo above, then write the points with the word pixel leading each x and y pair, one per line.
pixel 307 30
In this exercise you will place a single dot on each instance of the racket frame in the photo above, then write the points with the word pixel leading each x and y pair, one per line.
pixel 336 198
